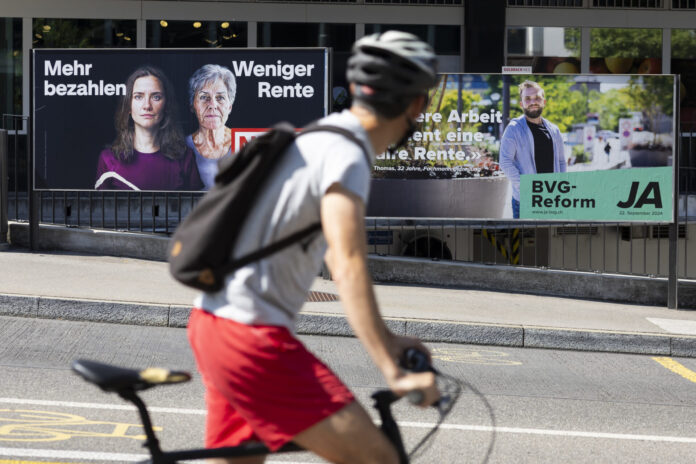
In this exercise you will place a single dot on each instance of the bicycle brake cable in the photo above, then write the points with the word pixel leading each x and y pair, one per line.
pixel 453 388
pixel 444 410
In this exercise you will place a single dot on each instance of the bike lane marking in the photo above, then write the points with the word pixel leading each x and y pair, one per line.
pixel 473 356
pixel 14 461
pixel 104 457
pixel 118 407
pixel 677 368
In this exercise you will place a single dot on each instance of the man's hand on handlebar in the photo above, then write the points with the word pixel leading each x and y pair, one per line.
pixel 423 382
pixel 400 343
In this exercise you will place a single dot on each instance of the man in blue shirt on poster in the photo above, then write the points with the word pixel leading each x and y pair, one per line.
pixel 530 143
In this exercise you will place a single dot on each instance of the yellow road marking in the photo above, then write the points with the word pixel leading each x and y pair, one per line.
pixel 677 368
pixel 5 461
pixel 19 425
pixel 473 356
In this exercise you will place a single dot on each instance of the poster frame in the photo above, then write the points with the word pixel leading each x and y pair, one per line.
pixel 327 58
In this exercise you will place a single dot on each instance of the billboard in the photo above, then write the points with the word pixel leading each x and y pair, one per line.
pixel 546 147
pixel 160 120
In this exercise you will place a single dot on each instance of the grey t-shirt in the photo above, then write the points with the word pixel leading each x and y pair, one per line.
pixel 272 291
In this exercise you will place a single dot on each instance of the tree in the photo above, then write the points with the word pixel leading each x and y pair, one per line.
pixel 653 95
pixel 626 43
pixel 564 107
pixel 684 44
pixel 610 106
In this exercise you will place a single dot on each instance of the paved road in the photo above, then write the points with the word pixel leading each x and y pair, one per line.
pixel 545 405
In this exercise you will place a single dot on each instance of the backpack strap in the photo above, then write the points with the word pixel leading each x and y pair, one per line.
pixel 272 248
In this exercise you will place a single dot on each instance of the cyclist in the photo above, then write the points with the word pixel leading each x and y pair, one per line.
pixel 261 382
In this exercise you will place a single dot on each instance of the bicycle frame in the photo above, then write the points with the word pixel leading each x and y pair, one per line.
pixel 383 401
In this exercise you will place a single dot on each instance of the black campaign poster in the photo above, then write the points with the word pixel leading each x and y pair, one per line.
pixel 81 95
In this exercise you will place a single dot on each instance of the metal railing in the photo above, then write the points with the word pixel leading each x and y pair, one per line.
pixel 640 249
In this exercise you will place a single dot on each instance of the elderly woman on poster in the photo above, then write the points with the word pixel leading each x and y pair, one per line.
pixel 212 89
pixel 149 152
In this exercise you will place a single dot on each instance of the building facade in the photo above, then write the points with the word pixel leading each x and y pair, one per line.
pixel 551 36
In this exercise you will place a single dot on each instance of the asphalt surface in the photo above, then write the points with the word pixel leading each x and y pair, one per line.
pixel 517 405
pixel 79 287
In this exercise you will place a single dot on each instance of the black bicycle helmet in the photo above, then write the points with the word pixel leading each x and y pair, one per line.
pixel 390 67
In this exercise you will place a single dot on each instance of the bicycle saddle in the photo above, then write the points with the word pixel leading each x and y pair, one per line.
pixel 114 379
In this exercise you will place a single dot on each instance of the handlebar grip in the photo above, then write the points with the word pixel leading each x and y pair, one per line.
pixel 415 361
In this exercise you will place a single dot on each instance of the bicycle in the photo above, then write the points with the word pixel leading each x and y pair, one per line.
pixel 127 382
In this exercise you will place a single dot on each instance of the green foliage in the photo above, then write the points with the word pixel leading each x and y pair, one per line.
pixel 684 44
pixel 653 96
pixel 564 107
pixel 626 43
pixel 610 106
pixel 571 40
pixel 580 155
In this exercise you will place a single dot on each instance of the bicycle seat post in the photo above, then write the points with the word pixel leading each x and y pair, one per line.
pixel 152 443
pixel 383 401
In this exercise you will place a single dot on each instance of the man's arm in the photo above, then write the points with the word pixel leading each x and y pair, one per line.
pixel 342 216
pixel 558 142
pixel 508 150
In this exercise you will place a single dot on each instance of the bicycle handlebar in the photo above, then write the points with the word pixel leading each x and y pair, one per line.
pixel 414 360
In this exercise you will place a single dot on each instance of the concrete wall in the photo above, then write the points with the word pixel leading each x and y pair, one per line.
pixel 609 287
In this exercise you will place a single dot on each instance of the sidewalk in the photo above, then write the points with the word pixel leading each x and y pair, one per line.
pixel 131 291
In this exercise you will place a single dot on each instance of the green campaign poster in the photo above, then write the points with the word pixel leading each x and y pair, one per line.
pixel 641 195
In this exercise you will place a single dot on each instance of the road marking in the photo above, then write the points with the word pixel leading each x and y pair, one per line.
pixel 677 368
pixel 117 407
pixel 58 454
pixel 5 461
pixel 677 326
pixel 125 457
pixel 473 356
pixel 61 454
pixel 21 425
pixel 561 433
pixel 100 457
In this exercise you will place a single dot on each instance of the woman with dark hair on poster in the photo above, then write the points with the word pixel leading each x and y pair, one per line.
pixel 149 152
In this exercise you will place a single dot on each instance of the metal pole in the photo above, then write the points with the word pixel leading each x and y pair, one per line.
pixel 34 197
pixel 673 279
pixel 4 179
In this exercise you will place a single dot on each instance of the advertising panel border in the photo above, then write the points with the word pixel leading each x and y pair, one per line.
pixel 192 58
pixel 441 174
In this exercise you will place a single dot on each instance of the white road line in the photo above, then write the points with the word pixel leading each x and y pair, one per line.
pixel 118 407
pixel 424 425
pixel 560 433
pixel 93 456
pixel 59 454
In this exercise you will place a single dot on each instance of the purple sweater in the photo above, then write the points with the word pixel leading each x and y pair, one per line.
pixel 147 171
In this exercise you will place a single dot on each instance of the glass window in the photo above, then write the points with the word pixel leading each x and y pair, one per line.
pixel 10 67
pixel 625 51
pixel 683 62
pixel 338 36
pixel 545 49
pixel 445 40
pixel 83 33
pixel 192 34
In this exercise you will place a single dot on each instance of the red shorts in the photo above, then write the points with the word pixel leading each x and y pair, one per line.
pixel 261 382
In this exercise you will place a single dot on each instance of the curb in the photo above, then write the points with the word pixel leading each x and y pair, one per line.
pixel 518 336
